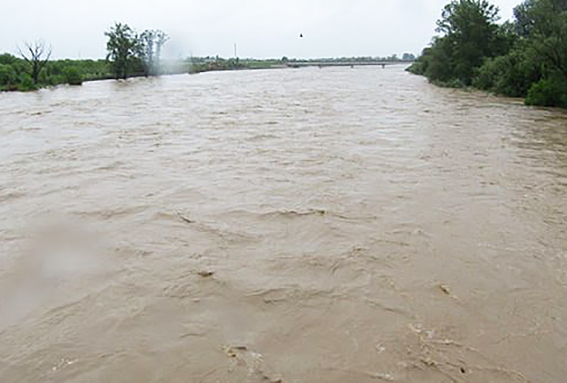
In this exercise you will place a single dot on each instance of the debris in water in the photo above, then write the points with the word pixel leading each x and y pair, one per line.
pixel 236 348
pixel 420 331
pixel 253 362
pixel 383 376
pixel 64 362
pixel 184 218
pixel 206 274
pixel 230 352
pixel 445 289
pixel 297 213
pixel 428 362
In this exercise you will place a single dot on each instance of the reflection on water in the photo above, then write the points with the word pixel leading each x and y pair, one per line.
pixel 330 225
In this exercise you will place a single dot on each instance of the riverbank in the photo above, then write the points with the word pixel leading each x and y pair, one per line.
pixel 520 58
pixel 14 72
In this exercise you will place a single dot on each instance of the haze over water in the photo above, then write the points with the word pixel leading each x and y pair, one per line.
pixel 310 225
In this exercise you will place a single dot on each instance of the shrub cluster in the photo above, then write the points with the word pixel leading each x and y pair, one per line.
pixel 524 58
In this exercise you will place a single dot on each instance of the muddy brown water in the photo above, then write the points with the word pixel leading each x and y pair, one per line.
pixel 311 225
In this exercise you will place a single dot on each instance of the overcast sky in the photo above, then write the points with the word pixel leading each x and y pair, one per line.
pixel 260 28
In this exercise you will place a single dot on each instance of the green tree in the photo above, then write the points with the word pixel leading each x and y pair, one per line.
pixel 439 58
pixel 543 24
pixel 525 58
pixel 471 33
pixel 122 47
pixel 468 35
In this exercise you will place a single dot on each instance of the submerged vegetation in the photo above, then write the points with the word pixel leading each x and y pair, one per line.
pixel 524 58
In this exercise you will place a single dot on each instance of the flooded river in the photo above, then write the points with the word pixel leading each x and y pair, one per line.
pixel 309 225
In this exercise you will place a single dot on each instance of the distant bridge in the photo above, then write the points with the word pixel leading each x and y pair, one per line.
pixel 320 64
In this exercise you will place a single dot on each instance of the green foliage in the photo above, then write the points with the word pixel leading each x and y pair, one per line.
pixel 130 53
pixel 542 29
pixel 548 36
pixel 468 19
pixel 455 83
pixel 25 83
pixel 15 76
pixel 8 77
pixel 439 60
pixel 126 54
pixel 510 75
pixel 72 76
pixel 547 92
pixel 122 47
pixel 526 58
pixel 470 34
pixel 421 63
pixel 418 67
pixel 7 59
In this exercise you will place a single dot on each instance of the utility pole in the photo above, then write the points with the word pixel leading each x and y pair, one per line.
pixel 235 52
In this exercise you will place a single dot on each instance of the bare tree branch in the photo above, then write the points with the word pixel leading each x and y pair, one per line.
pixel 38 57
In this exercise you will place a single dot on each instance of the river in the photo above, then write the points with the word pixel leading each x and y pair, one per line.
pixel 294 225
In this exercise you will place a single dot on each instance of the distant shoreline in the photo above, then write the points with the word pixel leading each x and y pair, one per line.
pixel 58 72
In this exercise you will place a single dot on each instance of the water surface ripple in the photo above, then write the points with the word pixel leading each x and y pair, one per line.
pixel 310 225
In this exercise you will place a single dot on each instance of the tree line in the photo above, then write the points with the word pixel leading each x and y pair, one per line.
pixel 129 54
pixel 206 64
pixel 20 74
pixel 526 57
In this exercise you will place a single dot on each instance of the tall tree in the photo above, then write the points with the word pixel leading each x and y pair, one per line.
pixel 525 58
pixel 161 39
pixel 470 28
pixel 150 44
pixel 37 55
pixel 147 51
pixel 543 24
pixel 122 47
